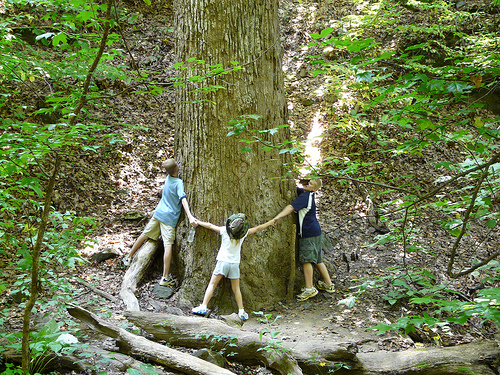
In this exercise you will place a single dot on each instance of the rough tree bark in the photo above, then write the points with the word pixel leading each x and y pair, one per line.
pixel 221 180
pixel 473 358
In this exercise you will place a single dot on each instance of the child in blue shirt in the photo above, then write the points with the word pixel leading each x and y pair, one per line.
pixel 165 218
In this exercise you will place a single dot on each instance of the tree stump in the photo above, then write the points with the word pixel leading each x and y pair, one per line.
pixel 139 267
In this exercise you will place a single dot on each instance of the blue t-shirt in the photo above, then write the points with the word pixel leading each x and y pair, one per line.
pixel 305 206
pixel 169 208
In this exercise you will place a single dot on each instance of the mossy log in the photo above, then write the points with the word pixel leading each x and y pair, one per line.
pixel 138 346
pixel 481 357
pixel 246 347
pixel 81 361
pixel 317 356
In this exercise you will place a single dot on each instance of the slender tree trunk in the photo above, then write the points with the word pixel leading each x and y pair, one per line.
pixel 36 266
pixel 48 198
pixel 221 180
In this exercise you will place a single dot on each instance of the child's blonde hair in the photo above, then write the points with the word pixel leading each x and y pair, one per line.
pixel 318 183
pixel 170 166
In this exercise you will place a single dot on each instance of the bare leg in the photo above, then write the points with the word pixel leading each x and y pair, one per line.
pixel 324 273
pixel 235 285
pixel 214 281
pixel 308 274
pixel 167 258
pixel 137 244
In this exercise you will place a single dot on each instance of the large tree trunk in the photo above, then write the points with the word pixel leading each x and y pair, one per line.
pixel 221 180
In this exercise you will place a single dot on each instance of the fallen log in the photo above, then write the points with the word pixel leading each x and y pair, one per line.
pixel 194 332
pixel 72 361
pixel 472 358
pixel 319 356
pixel 96 290
pixel 139 267
pixel 141 347
pixel 48 362
pixel 112 361
pixel 312 354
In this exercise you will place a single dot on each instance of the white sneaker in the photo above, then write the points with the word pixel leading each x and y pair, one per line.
pixel 126 261
pixel 243 315
pixel 199 310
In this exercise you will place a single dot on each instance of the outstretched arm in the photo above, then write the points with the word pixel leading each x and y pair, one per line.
pixel 190 216
pixel 286 211
pixel 210 226
pixel 260 227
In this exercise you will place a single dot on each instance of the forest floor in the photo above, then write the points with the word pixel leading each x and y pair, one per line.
pixel 127 181
pixel 342 210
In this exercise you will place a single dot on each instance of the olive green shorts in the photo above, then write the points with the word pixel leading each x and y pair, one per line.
pixel 311 250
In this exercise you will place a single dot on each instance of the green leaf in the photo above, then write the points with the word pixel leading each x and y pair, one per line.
pixel 364 77
pixel 387 54
pixel 436 85
pixel 59 38
pixel 458 87
pixel 49 328
pixel 461 319
pixel 444 164
pixel 275 333
pixel 148 368
pixel 195 78
pixel 33 184
pixel 85 15
pixel 382 328
pixel 324 33
pixel 491 223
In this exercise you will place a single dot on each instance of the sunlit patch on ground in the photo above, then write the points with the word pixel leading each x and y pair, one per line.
pixel 312 151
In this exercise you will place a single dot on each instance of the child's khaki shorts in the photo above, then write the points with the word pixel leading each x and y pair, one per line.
pixel 155 227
